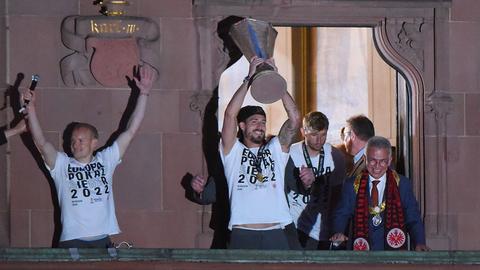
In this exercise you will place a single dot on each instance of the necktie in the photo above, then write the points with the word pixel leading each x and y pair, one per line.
pixel 375 193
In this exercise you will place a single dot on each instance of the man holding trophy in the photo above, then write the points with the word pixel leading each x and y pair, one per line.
pixel 255 168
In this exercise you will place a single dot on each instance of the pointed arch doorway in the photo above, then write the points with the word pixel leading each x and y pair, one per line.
pixel 403 32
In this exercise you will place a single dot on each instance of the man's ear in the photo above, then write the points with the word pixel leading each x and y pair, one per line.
pixel 95 143
pixel 241 125
pixel 302 131
pixel 353 136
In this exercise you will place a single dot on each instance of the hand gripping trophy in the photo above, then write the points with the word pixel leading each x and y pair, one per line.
pixel 257 38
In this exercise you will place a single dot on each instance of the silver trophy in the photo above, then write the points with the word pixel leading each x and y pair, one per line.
pixel 257 38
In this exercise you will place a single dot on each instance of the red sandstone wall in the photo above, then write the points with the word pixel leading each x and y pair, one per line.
pixel 4 216
pixel 458 73
pixel 150 204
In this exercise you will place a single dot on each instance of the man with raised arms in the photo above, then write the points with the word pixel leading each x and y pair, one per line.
pixel 84 181
pixel 254 168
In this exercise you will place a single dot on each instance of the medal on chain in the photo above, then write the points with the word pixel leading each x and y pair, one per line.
pixel 259 177
pixel 376 211
pixel 258 164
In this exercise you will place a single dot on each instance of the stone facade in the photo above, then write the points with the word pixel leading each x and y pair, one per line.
pixel 434 43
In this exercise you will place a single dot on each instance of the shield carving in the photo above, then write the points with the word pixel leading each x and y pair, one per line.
pixel 112 60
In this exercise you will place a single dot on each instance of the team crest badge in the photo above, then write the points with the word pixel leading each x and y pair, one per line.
pixel 361 244
pixel 396 238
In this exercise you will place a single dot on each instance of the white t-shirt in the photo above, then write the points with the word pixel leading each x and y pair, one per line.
pixel 252 201
pixel 85 194
pixel 305 221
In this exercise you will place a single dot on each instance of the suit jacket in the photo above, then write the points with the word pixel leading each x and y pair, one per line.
pixel 358 167
pixel 414 225
pixel 209 194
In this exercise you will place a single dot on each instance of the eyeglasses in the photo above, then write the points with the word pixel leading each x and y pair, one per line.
pixel 375 162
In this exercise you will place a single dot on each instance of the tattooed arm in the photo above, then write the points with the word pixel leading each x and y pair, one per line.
pixel 291 126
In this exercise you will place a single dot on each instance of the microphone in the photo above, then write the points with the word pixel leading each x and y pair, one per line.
pixel 33 84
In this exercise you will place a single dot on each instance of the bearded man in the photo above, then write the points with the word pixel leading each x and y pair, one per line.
pixel 255 168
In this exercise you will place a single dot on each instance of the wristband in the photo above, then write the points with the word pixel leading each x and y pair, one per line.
pixel 246 79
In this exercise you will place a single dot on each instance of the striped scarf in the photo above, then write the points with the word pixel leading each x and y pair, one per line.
pixel 394 220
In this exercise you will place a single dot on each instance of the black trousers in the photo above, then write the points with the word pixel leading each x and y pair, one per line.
pixel 251 239
pixel 77 243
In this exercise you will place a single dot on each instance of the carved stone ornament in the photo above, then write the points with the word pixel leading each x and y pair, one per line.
pixel 407 37
pixel 198 102
pixel 106 49
pixel 441 104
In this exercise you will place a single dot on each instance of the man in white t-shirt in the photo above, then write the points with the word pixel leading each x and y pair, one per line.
pixel 84 181
pixel 255 169
pixel 321 170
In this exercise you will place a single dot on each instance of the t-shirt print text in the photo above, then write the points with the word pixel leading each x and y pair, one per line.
pixel 248 170
pixel 88 184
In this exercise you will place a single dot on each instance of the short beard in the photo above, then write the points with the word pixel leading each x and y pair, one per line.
pixel 258 140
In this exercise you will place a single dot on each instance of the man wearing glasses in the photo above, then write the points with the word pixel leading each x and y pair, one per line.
pixel 381 204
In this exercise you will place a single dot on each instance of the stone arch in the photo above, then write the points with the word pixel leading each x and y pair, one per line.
pixel 396 47
pixel 404 37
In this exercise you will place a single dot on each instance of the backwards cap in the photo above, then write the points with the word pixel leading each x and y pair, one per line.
pixel 248 111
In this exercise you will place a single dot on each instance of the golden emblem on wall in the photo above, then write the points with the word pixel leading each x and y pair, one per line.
pixel 112 7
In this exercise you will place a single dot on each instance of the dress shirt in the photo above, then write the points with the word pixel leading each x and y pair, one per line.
pixel 359 155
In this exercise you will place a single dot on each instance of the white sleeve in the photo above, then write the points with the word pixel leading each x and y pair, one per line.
pixel 60 162
pixel 111 155
pixel 276 148
pixel 234 149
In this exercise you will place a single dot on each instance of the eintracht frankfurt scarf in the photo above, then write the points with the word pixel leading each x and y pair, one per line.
pixel 395 237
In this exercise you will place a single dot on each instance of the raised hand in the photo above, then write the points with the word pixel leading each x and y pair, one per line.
pixel 144 77
pixel 27 99
pixel 254 63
